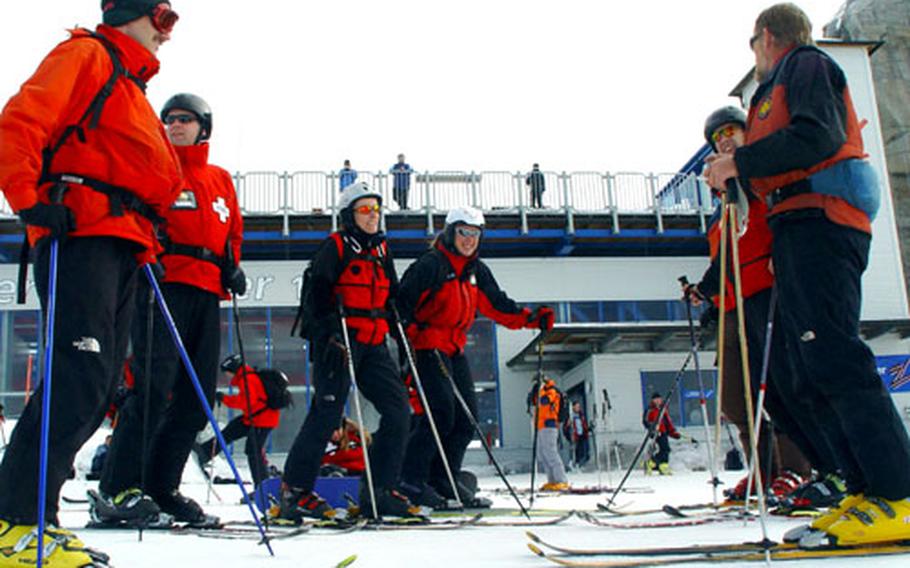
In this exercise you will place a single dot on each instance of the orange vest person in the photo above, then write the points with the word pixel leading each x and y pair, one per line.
pixel 84 160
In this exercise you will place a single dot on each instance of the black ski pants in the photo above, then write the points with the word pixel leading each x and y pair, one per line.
pixel 818 265
pixel 254 448
pixel 175 414
pixel 455 429
pixel 96 279
pixel 378 380
pixel 662 446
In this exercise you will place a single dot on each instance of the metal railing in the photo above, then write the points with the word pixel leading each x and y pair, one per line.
pixel 287 194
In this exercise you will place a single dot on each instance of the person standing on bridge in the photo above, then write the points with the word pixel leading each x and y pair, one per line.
pixel 536 181
pixel 346 175
pixel 401 182
pixel 201 254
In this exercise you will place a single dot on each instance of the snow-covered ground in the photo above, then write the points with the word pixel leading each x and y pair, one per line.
pixel 475 547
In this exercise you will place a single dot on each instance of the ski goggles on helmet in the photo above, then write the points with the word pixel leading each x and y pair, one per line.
pixel 367 209
pixel 469 232
pixel 721 133
pixel 163 18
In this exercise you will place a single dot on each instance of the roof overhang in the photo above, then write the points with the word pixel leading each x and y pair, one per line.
pixel 568 345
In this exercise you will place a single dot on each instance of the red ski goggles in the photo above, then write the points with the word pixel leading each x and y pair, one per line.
pixel 163 18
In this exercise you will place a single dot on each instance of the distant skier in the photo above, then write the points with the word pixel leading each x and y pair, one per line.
pixel 548 410
pixel 660 432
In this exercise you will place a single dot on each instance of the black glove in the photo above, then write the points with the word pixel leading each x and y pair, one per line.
pixel 335 354
pixel 158 269
pixel 652 432
pixel 709 317
pixel 58 218
pixel 542 318
pixel 234 280
pixel 219 398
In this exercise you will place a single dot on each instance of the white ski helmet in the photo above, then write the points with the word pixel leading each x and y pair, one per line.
pixel 356 191
pixel 466 216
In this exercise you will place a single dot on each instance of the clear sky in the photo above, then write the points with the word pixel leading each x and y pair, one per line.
pixel 456 85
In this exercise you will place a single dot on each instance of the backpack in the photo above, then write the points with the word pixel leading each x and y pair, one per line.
pixel 276 386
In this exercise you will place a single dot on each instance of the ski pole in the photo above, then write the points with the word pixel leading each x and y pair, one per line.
pixel 203 401
pixel 479 431
pixel 246 382
pixel 426 404
pixel 537 387
pixel 732 188
pixel 702 399
pixel 660 415
pixel 363 435
pixel 722 316
pixel 762 391
pixel 147 392
pixel 46 393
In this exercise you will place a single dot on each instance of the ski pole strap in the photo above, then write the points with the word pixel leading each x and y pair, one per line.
pixel 197 252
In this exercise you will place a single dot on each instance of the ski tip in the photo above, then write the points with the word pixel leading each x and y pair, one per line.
pixel 536 550
pixel 673 511
pixel 532 536
pixel 347 561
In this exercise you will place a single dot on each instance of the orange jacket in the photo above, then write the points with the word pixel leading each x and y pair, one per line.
pixel 550 401
pixel 205 215
pixel 263 416
pixel 128 148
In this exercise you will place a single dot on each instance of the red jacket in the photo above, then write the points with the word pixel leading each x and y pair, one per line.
pixel 441 294
pixel 127 149
pixel 263 416
pixel 363 289
pixel 204 215
pixel 348 453
pixel 754 258
pixel 666 424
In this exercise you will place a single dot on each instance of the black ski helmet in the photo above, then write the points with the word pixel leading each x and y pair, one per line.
pixel 118 12
pixel 196 105
pixel 231 363
pixel 720 117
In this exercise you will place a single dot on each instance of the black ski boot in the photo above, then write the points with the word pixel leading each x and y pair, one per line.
pixel 424 494
pixel 185 510
pixel 129 507
pixel 390 503
pixel 297 504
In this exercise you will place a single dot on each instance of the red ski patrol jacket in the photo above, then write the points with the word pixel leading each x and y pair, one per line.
pixel 126 149
pixel 802 122
pixel 754 258
pixel 200 223
pixel 263 416
pixel 441 294
pixel 666 424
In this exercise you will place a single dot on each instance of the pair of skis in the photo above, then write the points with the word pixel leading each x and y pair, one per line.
pixel 706 553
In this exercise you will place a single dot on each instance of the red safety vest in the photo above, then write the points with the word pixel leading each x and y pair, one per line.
pixel 363 289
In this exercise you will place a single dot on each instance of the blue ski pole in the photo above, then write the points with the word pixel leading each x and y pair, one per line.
pixel 194 378
pixel 46 394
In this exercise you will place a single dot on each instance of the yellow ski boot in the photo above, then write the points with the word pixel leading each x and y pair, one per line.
pixel 821 523
pixel 664 469
pixel 872 521
pixel 18 547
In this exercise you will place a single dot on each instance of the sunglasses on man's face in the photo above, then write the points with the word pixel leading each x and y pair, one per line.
pixel 753 39
pixel 468 232
pixel 367 209
pixel 163 18
pixel 181 118
pixel 721 133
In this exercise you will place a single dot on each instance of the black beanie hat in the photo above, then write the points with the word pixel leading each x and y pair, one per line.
pixel 119 12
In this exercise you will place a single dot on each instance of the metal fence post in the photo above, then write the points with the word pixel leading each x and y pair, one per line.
pixel 567 204
pixel 428 204
pixel 238 189
pixel 381 185
pixel 652 181
pixel 522 210
pixel 474 198
pixel 611 200
pixel 286 205
pixel 333 199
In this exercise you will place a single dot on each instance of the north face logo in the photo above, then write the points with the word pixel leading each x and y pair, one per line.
pixel 89 344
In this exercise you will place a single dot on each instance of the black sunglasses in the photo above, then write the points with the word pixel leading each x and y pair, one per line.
pixel 181 118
